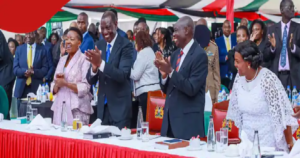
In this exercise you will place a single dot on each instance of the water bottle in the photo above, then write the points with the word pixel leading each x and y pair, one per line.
pixel 224 94
pixel 39 93
pixel 226 76
pixel 289 93
pixel 231 75
pixel 43 88
pixel 256 146
pixel 29 111
pixel 294 96
pixel 44 98
pixel 139 124
pixel 220 96
pixel 64 117
pixel 298 100
pixel 47 88
pixel 211 139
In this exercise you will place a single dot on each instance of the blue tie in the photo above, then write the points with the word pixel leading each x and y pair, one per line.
pixel 107 58
pixel 283 50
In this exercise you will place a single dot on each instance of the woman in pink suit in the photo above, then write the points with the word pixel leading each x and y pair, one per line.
pixel 70 84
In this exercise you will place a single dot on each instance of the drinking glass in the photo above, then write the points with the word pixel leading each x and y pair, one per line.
pixel 34 112
pixel 79 122
pixel 224 136
pixel 219 143
pixel 145 131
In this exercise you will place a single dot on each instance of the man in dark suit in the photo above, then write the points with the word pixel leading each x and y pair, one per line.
pixel 284 53
pixel 119 31
pixel 30 66
pixel 111 66
pixel 225 43
pixel 7 78
pixel 183 80
pixel 88 41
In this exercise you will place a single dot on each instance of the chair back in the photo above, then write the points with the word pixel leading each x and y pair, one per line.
pixel 4 105
pixel 221 106
pixel 297 132
pixel 155 110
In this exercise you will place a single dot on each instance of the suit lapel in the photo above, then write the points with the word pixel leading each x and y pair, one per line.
pixel 278 33
pixel 291 31
pixel 114 49
pixel 36 54
pixel 102 46
pixel 73 61
pixel 188 57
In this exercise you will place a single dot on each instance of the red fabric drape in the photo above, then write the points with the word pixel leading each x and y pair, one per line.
pixel 230 13
pixel 14 144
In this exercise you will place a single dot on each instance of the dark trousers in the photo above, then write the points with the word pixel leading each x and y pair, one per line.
pixel 107 120
pixel 9 89
pixel 285 78
pixel 135 110
pixel 169 131
pixel 143 103
pixel 27 89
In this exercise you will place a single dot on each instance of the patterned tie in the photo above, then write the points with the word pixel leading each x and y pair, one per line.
pixel 107 58
pixel 29 63
pixel 227 44
pixel 283 50
pixel 178 60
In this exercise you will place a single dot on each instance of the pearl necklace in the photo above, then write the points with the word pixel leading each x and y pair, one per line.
pixel 253 77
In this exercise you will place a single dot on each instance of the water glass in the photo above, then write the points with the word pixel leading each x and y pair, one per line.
pixel 219 143
pixel 145 131
pixel 224 136
pixel 79 122
pixel 34 112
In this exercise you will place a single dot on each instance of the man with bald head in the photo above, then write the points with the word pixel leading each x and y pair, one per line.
pixel 244 22
pixel 74 24
pixel 202 21
pixel 225 43
pixel 83 23
pixel 183 81
pixel 111 65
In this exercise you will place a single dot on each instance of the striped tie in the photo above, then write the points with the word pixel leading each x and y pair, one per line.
pixel 178 60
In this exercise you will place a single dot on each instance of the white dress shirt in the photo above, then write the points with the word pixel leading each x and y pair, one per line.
pixel 185 50
pixel 101 68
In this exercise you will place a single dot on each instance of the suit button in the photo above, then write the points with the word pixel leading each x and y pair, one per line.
pixel 103 95
pixel 170 95
pixel 104 82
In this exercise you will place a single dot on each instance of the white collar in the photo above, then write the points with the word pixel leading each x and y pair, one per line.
pixel 33 45
pixel 113 41
pixel 187 48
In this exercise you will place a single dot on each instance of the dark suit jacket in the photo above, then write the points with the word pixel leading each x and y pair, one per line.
pixel 56 53
pixel 40 68
pixel 232 68
pixel 48 47
pixel 6 62
pixel 294 58
pixel 87 43
pixel 223 53
pixel 119 31
pixel 114 81
pixel 186 95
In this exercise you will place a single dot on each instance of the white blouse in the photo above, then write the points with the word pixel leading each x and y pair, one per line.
pixel 262 105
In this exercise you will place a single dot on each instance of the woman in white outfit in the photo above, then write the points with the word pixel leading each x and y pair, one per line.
pixel 259 101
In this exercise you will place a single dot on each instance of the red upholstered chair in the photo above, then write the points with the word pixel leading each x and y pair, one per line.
pixel 297 132
pixel 219 115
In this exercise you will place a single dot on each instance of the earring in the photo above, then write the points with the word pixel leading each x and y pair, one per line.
pixel 248 66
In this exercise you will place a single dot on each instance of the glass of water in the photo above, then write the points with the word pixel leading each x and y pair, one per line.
pixel 224 136
pixel 34 112
pixel 145 131
pixel 219 143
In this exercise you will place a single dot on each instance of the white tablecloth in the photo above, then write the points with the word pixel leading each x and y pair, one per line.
pixel 134 143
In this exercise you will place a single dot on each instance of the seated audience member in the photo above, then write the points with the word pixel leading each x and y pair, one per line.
pixel 53 38
pixel 259 101
pixel 70 84
pixel 144 73
pixel 12 45
pixel 164 42
pixel 19 39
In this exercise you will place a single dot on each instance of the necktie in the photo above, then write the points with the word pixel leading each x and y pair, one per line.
pixel 283 50
pixel 227 44
pixel 29 63
pixel 178 60
pixel 107 58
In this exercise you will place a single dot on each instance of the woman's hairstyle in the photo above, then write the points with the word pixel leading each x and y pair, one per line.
pixel 143 40
pixel 262 25
pixel 169 45
pixel 250 52
pixel 79 35
pixel 14 41
pixel 53 34
pixel 245 29
pixel 66 32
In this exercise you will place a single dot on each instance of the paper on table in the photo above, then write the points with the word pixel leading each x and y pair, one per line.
pixel 208 102
pixel 38 123
pixel 295 153
pixel 96 127
pixel 245 145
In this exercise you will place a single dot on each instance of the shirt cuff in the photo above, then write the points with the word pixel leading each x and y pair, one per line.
pixel 272 50
pixel 170 75
pixel 92 73
pixel 294 50
pixel 163 81
pixel 101 68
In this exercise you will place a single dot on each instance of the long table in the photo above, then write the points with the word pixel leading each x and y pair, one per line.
pixel 18 142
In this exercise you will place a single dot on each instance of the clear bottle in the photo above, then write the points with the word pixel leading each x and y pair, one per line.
pixel 224 94
pixel 64 117
pixel 294 96
pixel 298 100
pixel 47 90
pixel 211 138
pixel 139 124
pixel 29 111
pixel 220 96
pixel 289 93
pixel 256 146
pixel 231 76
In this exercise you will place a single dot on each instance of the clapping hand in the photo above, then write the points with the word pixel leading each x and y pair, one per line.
pixel 94 57
pixel 253 36
pixel 272 40
pixel 163 64
pixel 292 42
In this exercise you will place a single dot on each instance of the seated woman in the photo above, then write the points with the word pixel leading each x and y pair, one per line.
pixel 259 101
pixel 70 84
pixel 144 73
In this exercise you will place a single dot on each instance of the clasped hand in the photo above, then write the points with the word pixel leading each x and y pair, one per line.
pixel 29 72
pixel 94 57
pixel 60 82
pixel 163 64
